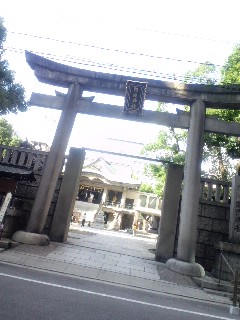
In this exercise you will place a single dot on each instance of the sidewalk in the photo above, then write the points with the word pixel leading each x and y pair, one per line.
pixel 109 256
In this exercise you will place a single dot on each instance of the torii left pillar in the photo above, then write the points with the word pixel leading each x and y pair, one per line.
pixel 51 172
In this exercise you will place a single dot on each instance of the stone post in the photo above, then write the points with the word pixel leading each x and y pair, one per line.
pixel 67 195
pixel 169 213
pixel 185 262
pixel 158 203
pixel 53 166
pixel 147 201
pixel 155 222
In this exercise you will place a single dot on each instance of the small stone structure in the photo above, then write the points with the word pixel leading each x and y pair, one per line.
pixel 23 190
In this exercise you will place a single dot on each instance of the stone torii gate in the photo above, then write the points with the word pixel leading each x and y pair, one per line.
pixel 199 97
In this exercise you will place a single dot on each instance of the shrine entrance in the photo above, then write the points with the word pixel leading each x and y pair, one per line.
pixel 109 196
pixel 198 97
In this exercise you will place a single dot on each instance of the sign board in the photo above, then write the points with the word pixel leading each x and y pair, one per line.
pixel 134 97
pixel 5 205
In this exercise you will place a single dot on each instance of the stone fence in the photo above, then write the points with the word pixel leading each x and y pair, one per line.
pixel 212 190
pixel 23 157
pixel 213 219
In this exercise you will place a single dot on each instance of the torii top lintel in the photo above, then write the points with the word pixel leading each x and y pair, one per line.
pixel 214 96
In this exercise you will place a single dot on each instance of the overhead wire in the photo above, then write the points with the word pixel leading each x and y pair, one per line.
pixel 115 67
pixel 152 30
pixel 109 66
pixel 113 50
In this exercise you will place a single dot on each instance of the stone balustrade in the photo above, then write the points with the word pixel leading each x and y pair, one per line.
pixel 215 191
pixel 23 157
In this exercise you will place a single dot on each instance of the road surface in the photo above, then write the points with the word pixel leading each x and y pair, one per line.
pixel 30 294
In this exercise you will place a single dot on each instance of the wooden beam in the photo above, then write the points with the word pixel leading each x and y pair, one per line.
pixel 180 120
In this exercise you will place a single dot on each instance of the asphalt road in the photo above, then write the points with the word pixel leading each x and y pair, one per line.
pixel 28 294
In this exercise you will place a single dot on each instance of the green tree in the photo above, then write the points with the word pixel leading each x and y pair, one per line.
pixel 7 134
pixel 12 94
pixel 219 150
pixel 206 73
pixel 146 188
pixel 230 73
pixel 170 146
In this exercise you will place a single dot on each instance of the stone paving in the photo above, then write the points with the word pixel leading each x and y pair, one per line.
pixel 108 256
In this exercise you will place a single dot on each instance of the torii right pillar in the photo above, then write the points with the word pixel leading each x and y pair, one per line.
pixel 185 260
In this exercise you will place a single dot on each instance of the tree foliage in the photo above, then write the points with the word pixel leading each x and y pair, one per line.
pixel 217 147
pixel 7 134
pixel 146 188
pixel 231 70
pixel 219 150
pixel 12 94
pixel 206 73
pixel 169 146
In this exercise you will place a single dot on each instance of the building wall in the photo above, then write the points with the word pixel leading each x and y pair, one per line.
pixel 151 199
pixel 134 194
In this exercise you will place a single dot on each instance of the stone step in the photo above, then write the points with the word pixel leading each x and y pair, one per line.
pixel 6 244
pixel 219 293
pixel 99 221
pixel 210 283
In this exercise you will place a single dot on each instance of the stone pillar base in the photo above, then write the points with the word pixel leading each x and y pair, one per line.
pixel 31 238
pixel 234 310
pixel 187 268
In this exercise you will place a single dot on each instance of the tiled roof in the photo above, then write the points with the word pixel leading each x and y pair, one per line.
pixel 109 172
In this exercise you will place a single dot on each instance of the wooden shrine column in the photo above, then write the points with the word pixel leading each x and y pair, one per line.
pixel 185 262
pixel 53 166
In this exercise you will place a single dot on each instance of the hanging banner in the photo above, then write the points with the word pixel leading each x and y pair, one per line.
pixel 134 97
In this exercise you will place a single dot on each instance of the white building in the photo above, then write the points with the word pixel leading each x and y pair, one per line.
pixel 111 189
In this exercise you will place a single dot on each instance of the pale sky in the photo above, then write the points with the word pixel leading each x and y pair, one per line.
pixel 151 38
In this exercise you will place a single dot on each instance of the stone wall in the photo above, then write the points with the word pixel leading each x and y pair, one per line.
pixel 22 201
pixel 213 226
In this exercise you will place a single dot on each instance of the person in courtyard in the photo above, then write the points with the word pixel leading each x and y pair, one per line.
pixel 83 220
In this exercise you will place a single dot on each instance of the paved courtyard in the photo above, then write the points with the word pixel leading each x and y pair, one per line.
pixel 110 256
